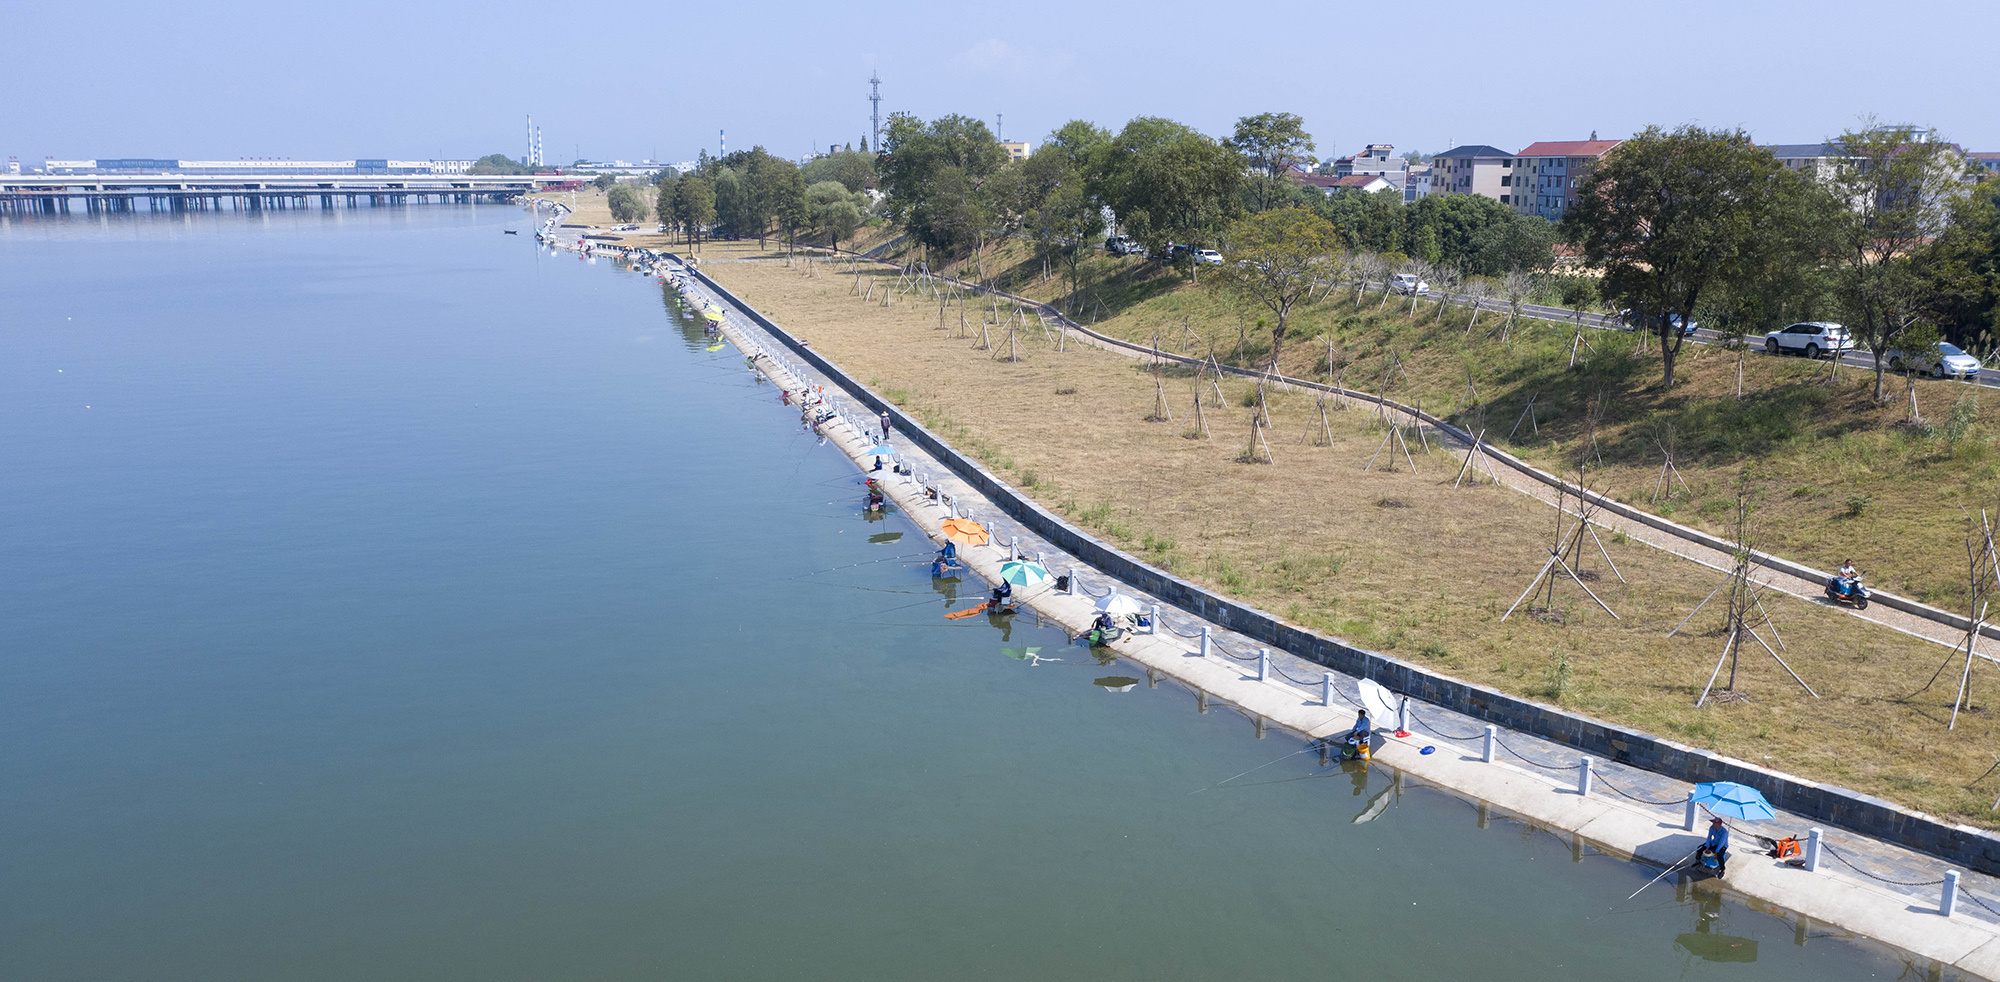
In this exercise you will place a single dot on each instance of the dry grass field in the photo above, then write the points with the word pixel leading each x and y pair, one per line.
pixel 1391 559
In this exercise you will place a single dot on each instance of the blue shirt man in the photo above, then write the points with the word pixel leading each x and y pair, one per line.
pixel 1717 845
pixel 1361 732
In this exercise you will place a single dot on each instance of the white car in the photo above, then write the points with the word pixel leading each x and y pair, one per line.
pixel 1953 363
pixel 1407 284
pixel 1208 257
pixel 1810 338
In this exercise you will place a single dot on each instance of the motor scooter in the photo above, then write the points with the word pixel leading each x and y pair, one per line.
pixel 1847 590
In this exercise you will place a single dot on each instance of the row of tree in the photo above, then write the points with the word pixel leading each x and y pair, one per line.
pixel 751 194
pixel 949 184
pixel 1891 239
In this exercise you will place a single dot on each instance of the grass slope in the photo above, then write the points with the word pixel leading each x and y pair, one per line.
pixel 1398 560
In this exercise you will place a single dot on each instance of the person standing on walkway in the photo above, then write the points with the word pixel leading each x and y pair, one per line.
pixel 885 426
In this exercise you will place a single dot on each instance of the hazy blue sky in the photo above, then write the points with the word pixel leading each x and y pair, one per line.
pixel 227 79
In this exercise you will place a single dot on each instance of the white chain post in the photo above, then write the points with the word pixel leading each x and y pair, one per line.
pixel 1154 626
pixel 1403 715
pixel 1583 778
pixel 1949 902
pixel 1013 547
pixel 1069 573
pixel 1204 641
pixel 1687 821
pixel 1491 735
pixel 1813 837
pixel 1326 690
pixel 1263 664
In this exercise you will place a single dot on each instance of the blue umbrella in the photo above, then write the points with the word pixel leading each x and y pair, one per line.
pixel 880 450
pixel 1728 799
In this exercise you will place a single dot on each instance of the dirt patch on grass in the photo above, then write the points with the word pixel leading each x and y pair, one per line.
pixel 1311 539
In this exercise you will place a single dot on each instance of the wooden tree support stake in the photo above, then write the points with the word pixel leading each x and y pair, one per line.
pixel 1258 452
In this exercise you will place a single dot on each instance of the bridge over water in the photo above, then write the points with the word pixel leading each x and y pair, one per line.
pixel 57 193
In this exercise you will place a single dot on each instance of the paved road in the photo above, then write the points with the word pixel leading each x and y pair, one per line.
pixel 1990 378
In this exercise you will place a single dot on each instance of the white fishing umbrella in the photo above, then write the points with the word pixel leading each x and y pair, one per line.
pixel 1118 605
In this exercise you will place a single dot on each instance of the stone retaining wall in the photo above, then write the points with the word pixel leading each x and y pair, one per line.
pixel 1973 848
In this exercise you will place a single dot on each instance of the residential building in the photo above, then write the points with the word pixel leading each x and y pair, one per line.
pixel 1474 169
pixel 1379 158
pixel 1330 184
pixel 1814 160
pixel 1016 150
pixel 1546 174
pixel 1418 184
pixel 1983 161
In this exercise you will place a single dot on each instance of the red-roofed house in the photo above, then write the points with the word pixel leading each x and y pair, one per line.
pixel 1546 174
pixel 1330 184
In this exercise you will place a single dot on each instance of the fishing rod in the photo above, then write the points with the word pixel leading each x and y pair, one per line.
pixel 1307 749
pixel 1664 872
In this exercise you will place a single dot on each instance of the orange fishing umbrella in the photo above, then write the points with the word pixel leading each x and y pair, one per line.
pixel 966 532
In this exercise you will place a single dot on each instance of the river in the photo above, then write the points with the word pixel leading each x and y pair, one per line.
pixel 383 597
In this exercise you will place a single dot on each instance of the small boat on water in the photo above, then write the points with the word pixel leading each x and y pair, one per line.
pixel 508 231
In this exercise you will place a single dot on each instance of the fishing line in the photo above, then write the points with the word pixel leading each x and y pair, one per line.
pixel 1255 769
pixel 891 610
pixel 868 562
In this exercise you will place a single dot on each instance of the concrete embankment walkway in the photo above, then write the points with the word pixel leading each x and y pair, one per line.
pixel 1863 886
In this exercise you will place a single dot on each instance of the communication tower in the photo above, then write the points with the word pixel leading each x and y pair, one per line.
pixel 534 155
pixel 875 103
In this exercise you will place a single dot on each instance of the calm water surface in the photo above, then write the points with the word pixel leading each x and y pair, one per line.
pixel 382 599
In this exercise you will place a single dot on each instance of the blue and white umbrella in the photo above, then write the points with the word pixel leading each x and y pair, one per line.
pixel 880 450
pixel 1020 572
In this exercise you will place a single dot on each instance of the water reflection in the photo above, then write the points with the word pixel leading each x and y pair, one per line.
pixel 1116 683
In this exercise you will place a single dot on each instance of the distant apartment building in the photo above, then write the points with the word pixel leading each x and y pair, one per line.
pixel 1418 184
pixel 1016 150
pixel 1379 159
pixel 1330 184
pixel 1815 160
pixel 1546 174
pixel 1474 169
pixel 1984 161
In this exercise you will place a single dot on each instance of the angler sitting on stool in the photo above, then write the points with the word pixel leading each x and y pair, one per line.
pixel 1716 847
pixel 1003 595
pixel 1359 739
pixel 947 560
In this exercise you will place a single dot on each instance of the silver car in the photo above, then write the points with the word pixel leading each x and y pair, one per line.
pixel 1949 362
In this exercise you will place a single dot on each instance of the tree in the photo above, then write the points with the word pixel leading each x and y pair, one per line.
pixel 1168 182
pixel 1273 143
pixel 834 210
pixel 498 163
pixel 627 204
pixel 1280 259
pixel 933 176
pixel 694 207
pixel 663 201
pixel 603 182
pixel 851 169
pixel 1901 196
pixel 784 194
pixel 1061 211
pixel 735 211
pixel 1670 216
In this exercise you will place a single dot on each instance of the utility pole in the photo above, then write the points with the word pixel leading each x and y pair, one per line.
pixel 875 104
